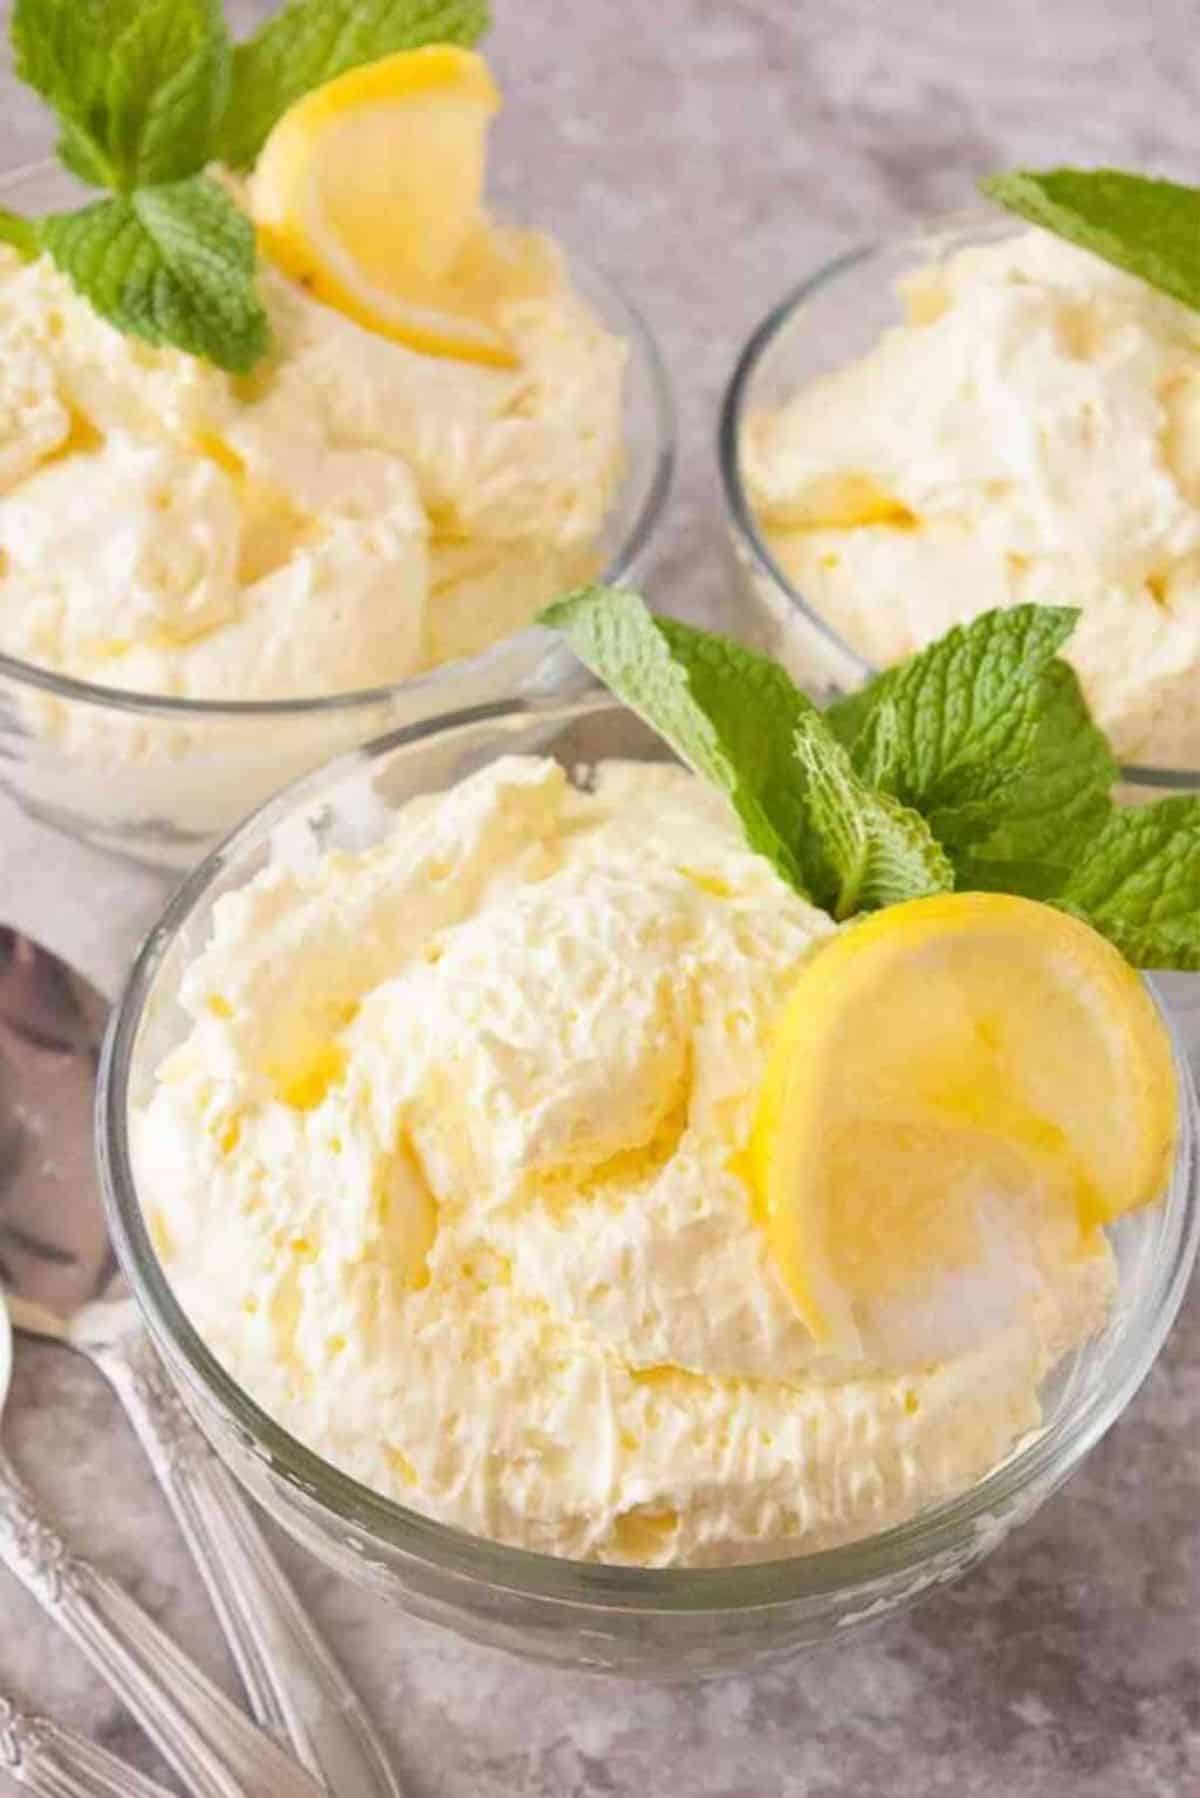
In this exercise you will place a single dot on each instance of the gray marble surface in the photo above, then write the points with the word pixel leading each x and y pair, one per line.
pixel 707 152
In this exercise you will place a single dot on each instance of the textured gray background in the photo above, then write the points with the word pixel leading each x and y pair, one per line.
pixel 706 153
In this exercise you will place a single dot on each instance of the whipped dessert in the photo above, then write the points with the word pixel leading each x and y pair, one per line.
pixel 450 1170
pixel 351 514
pixel 371 434
pixel 1029 433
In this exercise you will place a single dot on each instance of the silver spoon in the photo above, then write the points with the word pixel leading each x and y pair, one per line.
pixel 215 1749
pixel 59 1270
pixel 55 1763
pixel 35 1753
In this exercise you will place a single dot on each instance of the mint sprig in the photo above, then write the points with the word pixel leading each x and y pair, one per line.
pixel 311 41
pixel 975 764
pixel 139 86
pixel 737 718
pixel 148 93
pixel 988 736
pixel 1147 227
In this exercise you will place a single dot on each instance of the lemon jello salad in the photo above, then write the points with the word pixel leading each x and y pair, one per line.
pixel 1024 428
pixel 289 415
pixel 667 1165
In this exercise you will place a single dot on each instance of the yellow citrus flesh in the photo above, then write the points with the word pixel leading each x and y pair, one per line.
pixel 945 1073
pixel 369 192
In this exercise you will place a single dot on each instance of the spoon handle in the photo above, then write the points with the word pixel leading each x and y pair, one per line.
pixel 216 1751
pixel 55 1763
pixel 295 1687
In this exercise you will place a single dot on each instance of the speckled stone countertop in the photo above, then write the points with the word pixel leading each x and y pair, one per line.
pixel 707 152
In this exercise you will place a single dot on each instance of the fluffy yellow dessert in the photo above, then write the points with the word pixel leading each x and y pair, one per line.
pixel 427 444
pixel 1028 431
pixel 453 1172
pixel 425 454
pixel 352 513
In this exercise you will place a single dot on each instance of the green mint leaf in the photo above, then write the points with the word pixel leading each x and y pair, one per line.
pixel 167 89
pixel 730 714
pixel 987 735
pixel 877 852
pixel 62 48
pixel 22 234
pixel 311 41
pixel 1149 228
pixel 138 85
pixel 1044 817
pixel 83 156
pixel 947 711
pixel 739 721
pixel 174 265
pixel 1139 883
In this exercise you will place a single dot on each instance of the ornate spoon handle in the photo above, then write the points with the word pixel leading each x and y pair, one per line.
pixel 295 1687
pixel 216 1751
pixel 54 1763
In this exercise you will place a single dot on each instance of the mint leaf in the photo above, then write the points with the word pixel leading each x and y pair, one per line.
pixel 730 714
pixel 738 720
pixel 876 851
pixel 62 48
pixel 167 88
pixel 988 736
pixel 174 265
pixel 1139 883
pixel 311 41
pixel 947 711
pixel 138 85
pixel 80 153
pixel 1055 804
pixel 21 233
pixel 1149 228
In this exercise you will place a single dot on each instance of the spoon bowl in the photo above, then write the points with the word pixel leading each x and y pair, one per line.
pixel 54 1247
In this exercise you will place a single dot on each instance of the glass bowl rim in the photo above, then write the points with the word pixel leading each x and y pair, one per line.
pixel 732 411
pixel 1040 1463
pixel 530 641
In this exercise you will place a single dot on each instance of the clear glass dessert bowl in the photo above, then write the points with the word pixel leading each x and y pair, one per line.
pixel 673 1623
pixel 161 779
pixel 829 319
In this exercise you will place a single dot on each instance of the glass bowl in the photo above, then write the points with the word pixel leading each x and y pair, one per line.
pixel 830 318
pixel 668 1624
pixel 162 779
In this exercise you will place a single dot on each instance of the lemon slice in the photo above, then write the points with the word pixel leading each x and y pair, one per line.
pixel 369 192
pixel 958 1087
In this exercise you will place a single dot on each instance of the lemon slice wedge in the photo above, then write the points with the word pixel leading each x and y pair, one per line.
pixel 957 1087
pixel 369 192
